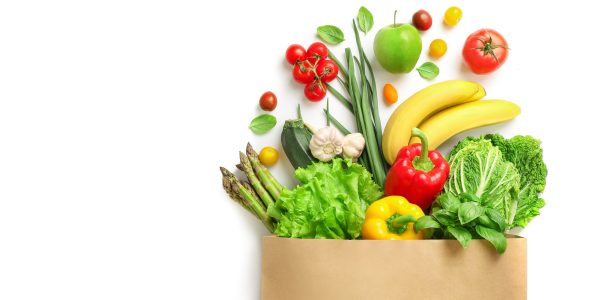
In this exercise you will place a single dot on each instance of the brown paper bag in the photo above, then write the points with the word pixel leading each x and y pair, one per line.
pixel 425 269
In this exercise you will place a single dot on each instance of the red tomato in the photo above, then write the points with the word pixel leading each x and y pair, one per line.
pixel 303 72
pixel 327 70
pixel 315 91
pixel 422 20
pixel 485 51
pixel 295 53
pixel 316 51
pixel 268 101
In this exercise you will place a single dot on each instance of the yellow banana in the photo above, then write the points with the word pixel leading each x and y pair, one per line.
pixel 454 120
pixel 421 105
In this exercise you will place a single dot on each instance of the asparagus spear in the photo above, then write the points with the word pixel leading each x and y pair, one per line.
pixel 266 178
pixel 236 197
pixel 258 187
pixel 248 195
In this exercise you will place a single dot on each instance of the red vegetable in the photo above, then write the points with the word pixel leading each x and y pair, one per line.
pixel 295 53
pixel 485 51
pixel 418 174
pixel 327 70
pixel 303 73
pixel 315 91
pixel 316 51
pixel 422 20
pixel 268 101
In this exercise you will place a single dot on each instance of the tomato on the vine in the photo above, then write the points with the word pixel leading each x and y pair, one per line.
pixel 295 53
pixel 268 101
pixel 485 51
pixel 316 51
pixel 422 20
pixel 303 73
pixel 327 70
pixel 315 91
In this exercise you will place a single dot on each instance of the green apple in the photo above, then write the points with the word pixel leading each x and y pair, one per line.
pixel 397 47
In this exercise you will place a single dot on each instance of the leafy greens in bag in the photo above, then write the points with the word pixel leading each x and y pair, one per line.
pixel 330 203
pixel 507 174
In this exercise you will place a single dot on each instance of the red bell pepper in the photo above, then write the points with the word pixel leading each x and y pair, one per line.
pixel 417 174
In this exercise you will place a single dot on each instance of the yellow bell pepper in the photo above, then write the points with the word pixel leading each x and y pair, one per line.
pixel 392 218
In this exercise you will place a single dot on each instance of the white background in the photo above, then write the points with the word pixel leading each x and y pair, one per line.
pixel 115 116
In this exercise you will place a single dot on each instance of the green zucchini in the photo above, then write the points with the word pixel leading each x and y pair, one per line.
pixel 295 139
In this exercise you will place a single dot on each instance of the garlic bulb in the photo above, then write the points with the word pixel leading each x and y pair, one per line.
pixel 353 146
pixel 326 143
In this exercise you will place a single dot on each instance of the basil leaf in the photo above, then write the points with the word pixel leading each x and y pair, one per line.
pixel 425 222
pixel 462 235
pixel 469 211
pixel 330 34
pixel 365 20
pixel 496 217
pixel 262 123
pixel 445 217
pixel 449 201
pixel 428 70
pixel 497 239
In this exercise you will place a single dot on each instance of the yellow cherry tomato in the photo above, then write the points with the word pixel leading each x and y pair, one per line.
pixel 452 16
pixel 390 94
pixel 437 48
pixel 268 156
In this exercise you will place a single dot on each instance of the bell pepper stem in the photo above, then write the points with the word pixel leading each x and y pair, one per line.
pixel 422 162
pixel 398 223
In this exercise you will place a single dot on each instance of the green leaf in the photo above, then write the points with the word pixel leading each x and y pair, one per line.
pixel 497 239
pixel 469 211
pixel 330 34
pixel 365 19
pixel 496 217
pixel 425 222
pixel 428 70
pixel 263 123
pixel 445 217
pixel 462 235
pixel 449 201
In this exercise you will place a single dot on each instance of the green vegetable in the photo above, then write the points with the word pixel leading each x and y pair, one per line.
pixel 479 168
pixel 330 34
pixel 464 217
pixel 360 85
pixel 365 19
pixel 428 70
pixel 525 153
pixel 262 123
pixel 330 203
pixel 295 140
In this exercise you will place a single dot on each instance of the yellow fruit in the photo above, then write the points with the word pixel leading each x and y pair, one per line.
pixel 452 16
pixel 454 120
pixel 421 105
pixel 437 48
pixel 268 156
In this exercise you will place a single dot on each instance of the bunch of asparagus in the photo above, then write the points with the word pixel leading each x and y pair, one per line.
pixel 256 193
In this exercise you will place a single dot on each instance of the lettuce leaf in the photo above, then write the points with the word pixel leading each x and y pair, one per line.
pixel 329 204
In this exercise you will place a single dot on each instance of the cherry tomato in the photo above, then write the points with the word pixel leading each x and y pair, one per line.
pixel 316 51
pixel 437 48
pixel 422 20
pixel 303 72
pixel 295 53
pixel 268 101
pixel 327 70
pixel 390 94
pixel 315 91
pixel 485 51
pixel 452 16
pixel 268 156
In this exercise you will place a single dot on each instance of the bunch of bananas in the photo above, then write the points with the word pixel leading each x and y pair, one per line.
pixel 443 110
